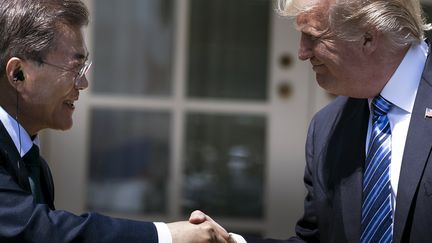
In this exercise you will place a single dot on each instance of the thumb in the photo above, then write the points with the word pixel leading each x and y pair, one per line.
pixel 197 217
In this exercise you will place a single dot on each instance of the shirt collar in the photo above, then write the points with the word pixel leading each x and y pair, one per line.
pixel 401 89
pixel 15 131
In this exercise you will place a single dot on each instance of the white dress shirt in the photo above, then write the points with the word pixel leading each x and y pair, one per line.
pixel 401 91
pixel 23 143
pixel 19 135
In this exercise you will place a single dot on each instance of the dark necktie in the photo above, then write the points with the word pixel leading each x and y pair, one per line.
pixel 33 162
pixel 377 216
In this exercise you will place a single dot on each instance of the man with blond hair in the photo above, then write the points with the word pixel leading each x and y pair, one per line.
pixel 368 169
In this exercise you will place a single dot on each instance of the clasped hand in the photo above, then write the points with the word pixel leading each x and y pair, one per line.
pixel 199 229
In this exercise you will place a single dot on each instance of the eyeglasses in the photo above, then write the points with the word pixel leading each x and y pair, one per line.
pixel 82 72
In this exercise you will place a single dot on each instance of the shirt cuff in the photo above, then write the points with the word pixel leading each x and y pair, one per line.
pixel 164 234
pixel 238 238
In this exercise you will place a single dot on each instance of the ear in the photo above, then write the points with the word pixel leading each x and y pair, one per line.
pixel 370 41
pixel 13 67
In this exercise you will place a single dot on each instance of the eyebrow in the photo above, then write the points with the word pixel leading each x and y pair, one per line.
pixel 308 30
pixel 313 32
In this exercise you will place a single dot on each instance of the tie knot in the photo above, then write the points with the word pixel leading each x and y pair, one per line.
pixel 381 106
pixel 31 158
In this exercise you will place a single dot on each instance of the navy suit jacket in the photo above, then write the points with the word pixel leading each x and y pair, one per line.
pixel 335 156
pixel 23 221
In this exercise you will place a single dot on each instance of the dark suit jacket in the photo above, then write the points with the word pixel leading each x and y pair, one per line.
pixel 335 155
pixel 23 221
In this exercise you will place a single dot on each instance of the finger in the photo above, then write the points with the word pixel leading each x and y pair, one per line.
pixel 219 238
pixel 231 239
pixel 215 234
pixel 219 229
pixel 197 217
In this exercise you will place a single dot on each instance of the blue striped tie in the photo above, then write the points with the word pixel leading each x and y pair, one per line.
pixel 377 216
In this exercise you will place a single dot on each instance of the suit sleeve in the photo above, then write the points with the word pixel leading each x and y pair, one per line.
pixel 23 221
pixel 306 228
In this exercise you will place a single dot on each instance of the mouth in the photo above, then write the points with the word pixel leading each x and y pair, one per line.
pixel 318 67
pixel 70 103
pixel 316 63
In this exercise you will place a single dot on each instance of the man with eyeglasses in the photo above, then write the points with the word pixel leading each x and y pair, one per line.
pixel 43 66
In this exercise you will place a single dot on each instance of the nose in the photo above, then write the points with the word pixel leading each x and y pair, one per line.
pixel 306 45
pixel 81 83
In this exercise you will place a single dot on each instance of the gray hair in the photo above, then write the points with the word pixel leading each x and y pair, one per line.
pixel 292 8
pixel 401 21
pixel 29 28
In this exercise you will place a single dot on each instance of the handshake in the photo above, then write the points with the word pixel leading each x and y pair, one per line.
pixel 199 228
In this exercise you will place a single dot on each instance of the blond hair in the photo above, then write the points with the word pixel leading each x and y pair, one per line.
pixel 401 21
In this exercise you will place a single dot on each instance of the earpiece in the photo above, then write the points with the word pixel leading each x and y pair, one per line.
pixel 19 76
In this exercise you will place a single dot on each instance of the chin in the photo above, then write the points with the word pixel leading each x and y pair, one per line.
pixel 63 125
pixel 67 126
pixel 329 85
pixel 324 83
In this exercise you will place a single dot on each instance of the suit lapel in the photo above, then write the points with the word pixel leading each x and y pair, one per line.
pixel 351 187
pixel 344 164
pixel 14 164
pixel 417 149
pixel 47 184
pixel 12 161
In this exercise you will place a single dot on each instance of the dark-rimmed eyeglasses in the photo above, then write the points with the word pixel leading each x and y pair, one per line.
pixel 81 73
